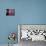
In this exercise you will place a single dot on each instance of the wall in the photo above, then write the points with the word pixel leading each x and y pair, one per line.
pixel 27 12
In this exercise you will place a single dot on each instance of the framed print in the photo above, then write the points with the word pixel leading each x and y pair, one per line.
pixel 10 12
